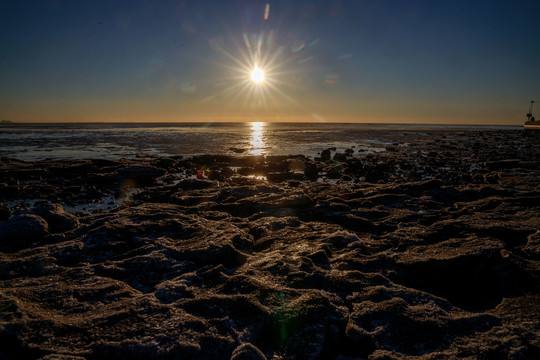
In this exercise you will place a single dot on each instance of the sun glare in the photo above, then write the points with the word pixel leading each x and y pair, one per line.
pixel 257 139
pixel 257 75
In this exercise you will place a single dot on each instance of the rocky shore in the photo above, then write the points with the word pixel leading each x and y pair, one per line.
pixel 427 249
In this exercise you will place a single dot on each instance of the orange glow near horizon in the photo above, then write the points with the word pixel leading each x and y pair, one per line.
pixel 101 115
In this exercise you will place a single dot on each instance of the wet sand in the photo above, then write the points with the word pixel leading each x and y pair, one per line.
pixel 427 249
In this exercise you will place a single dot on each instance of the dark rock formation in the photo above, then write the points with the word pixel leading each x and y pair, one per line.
pixel 20 231
pixel 425 251
pixel 5 212
pixel 58 220
pixel 325 155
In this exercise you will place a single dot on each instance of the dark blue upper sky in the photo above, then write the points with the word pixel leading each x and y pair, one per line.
pixel 170 60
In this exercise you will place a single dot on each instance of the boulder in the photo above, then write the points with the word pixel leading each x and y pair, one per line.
pixel 59 221
pixel 335 172
pixel 340 157
pixel 325 155
pixel 20 231
pixel 247 351
pixel 311 172
pixel 5 212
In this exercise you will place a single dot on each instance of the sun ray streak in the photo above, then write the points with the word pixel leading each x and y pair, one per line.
pixel 276 89
pixel 263 75
pixel 243 90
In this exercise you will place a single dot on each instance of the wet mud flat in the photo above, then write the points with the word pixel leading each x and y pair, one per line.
pixel 429 249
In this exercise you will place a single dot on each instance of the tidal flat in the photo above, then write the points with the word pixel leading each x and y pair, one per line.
pixel 424 250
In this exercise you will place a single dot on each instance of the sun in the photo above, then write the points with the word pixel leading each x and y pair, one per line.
pixel 257 75
pixel 257 80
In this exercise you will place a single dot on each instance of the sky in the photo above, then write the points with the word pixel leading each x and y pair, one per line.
pixel 378 61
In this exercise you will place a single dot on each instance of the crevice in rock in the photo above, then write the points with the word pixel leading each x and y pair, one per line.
pixel 337 343
pixel 469 282
pixel 12 348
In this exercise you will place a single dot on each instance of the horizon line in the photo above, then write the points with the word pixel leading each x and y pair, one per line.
pixel 248 122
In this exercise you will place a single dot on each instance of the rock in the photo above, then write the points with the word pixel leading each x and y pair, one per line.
pixel 61 357
pixel 295 165
pixel 340 157
pixel 73 169
pixel 59 221
pixel 415 257
pixel 468 272
pixel 295 201
pixel 157 194
pixel 386 315
pixel 101 163
pixel 247 351
pixel 417 186
pixel 311 172
pixel 374 173
pixel 5 212
pixel 283 176
pixel 194 184
pixel 142 175
pixel 532 248
pixel 247 171
pixel 335 172
pixel 173 290
pixel 165 163
pixel 215 175
pixel 502 164
pixel 299 323
pixel 20 231
pixel 227 172
pixel 325 155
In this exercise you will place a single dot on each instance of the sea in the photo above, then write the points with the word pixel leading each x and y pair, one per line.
pixel 38 141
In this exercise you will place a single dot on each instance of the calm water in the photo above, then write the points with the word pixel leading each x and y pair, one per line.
pixel 91 140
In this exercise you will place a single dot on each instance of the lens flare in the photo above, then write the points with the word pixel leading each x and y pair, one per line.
pixel 257 75
pixel 261 72
pixel 266 12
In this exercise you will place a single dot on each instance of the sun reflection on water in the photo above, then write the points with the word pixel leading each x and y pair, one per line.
pixel 257 139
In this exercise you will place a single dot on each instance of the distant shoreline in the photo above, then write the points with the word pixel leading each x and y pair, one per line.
pixel 228 123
